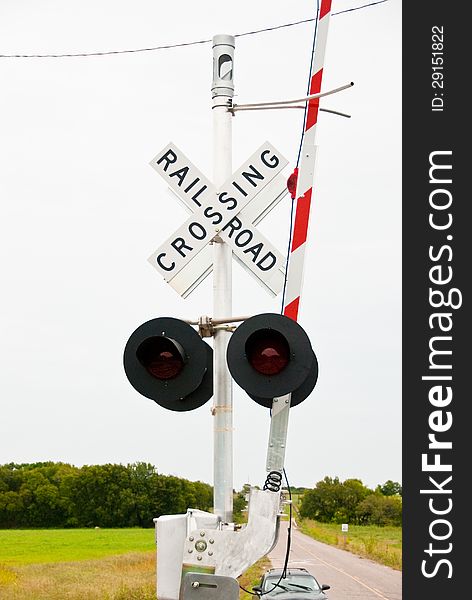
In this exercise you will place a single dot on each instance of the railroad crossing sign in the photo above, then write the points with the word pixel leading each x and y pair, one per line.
pixel 230 212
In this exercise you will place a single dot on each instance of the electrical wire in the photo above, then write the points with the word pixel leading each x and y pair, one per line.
pixel 340 12
pixel 289 529
pixel 182 44
pixel 310 73
pixel 283 575
pixel 292 206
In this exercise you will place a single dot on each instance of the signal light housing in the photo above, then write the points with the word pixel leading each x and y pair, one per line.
pixel 167 361
pixel 270 355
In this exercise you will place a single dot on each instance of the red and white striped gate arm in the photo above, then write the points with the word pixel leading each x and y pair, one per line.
pixel 305 175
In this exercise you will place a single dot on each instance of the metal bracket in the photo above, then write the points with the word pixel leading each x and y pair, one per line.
pixel 205 326
pixel 278 433
pixel 282 103
pixel 200 586
pixel 228 552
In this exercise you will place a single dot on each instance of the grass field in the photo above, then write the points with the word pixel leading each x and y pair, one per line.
pixel 85 564
pixel 120 564
pixel 20 547
pixel 381 544
pixel 77 564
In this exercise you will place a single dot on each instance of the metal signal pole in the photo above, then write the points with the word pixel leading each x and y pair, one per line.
pixel 222 94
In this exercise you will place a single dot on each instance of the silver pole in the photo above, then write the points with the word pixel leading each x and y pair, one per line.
pixel 222 93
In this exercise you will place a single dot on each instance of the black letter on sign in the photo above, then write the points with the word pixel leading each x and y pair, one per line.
pixel 208 214
pixel 224 200
pixel 170 157
pixel 190 186
pixel 162 265
pixel 197 226
pixel 254 175
pixel 274 160
pixel 240 241
pixel 234 224
pixel 195 196
pixel 271 257
pixel 179 244
pixel 255 251
pixel 180 174
pixel 238 187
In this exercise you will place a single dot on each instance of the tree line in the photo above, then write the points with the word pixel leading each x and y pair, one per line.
pixel 333 501
pixel 48 494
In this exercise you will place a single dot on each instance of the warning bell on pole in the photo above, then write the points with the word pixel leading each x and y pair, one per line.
pixel 167 361
pixel 269 356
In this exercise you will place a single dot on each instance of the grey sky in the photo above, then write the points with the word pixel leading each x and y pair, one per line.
pixel 81 210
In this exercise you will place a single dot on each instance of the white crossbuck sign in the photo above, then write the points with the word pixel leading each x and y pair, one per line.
pixel 230 212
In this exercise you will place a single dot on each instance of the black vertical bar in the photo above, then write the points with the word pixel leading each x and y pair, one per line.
pixel 437 259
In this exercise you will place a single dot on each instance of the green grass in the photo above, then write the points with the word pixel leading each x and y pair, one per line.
pixel 77 564
pixel 381 544
pixel 86 564
pixel 130 576
pixel 26 546
pixel 252 576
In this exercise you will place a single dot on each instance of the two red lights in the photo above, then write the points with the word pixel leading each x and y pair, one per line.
pixel 267 352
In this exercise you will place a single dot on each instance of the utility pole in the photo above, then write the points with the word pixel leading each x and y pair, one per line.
pixel 222 94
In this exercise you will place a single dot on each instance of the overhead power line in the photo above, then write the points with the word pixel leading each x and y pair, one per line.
pixel 183 44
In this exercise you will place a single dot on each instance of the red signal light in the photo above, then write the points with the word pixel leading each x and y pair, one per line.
pixel 166 360
pixel 269 356
pixel 161 357
pixel 292 183
pixel 267 351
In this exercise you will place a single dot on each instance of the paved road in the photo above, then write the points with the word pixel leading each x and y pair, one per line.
pixel 349 576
